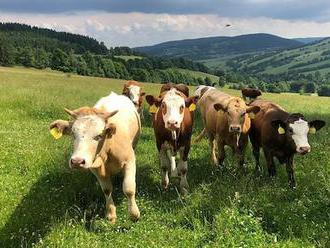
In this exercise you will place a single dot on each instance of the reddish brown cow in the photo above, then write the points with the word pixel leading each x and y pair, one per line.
pixel 133 90
pixel 281 135
pixel 173 123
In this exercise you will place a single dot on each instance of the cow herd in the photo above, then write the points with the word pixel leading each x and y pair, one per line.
pixel 105 136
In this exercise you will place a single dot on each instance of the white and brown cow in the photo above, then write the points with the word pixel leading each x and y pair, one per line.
pixel 104 141
pixel 173 123
pixel 133 90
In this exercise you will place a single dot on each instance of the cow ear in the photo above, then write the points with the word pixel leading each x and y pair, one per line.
pixel 315 126
pixel 190 103
pixel 279 125
pixel 252 111
pixel 152 100
pixel 59 127
pixel 220 106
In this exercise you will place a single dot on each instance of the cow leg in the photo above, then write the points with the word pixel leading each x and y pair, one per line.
pixel 129 188
pixel 213 147
pixel 270 163
pixel 256 154
pixel 221 152
pixel 106 185
pixel 183 170
pixel 174 171
pixel 164 166
pixel 289 169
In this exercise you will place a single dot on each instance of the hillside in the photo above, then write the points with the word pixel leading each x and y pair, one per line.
pixel 21 34
pixel 219 47
pixel 304 60
pixel 23 45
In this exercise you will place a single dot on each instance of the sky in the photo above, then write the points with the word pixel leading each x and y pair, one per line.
pixel 147 22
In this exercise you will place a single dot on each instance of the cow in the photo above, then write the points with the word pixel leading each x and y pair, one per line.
pixel 250 93
pixel 172 121
pixel 104 140
pixel 281 135
pixel 226 121
pixel 133 90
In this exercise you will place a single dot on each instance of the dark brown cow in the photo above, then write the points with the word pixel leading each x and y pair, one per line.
pixel 250 93
pixel 173 122
pixel 133 90
pixel 281 135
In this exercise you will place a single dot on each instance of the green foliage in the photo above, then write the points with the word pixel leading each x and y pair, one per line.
pixel 324 90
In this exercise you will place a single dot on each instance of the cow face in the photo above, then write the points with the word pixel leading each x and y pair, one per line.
pixel 172 106
pixel 133 92
pixel 89 128
pixel 237 114
pixel 296 130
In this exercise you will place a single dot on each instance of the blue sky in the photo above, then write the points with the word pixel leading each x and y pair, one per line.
pixel 145 22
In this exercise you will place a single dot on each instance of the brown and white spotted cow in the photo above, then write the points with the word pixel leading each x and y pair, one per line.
pixel 226 121
pixel 133 90
pixel 173 123
pixel 104 141
pixel 281 135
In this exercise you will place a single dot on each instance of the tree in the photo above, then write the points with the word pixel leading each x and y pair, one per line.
pixel 324 90
pixel 208 81
pixel 26 57
pixel 7 53
pixel 60 61
pixel 310 87
pixel 222 81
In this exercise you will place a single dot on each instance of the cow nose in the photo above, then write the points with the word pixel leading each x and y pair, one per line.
pixel 172 123
pixel 304 149
pixel 235 129
pixel 77 162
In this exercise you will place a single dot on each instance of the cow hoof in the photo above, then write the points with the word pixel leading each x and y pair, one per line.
pixel 135 215
pixel 184 192
pixel 112 219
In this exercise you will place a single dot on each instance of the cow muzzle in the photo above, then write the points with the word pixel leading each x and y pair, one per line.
pixel 303 150
pixel 235 128
pixel 77 163
pixel 172 125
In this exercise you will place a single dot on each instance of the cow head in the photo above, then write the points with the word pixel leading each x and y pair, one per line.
pixel 89 128
pixel 134 92
pixel 238 114
pixel 172 105
pixel 296 130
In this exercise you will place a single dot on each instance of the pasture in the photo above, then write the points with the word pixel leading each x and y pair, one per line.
pixel 46 204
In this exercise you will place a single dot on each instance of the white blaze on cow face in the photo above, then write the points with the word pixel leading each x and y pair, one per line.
pixel 87 132
pixel 134 93
pixel 300 130
pixel 172 109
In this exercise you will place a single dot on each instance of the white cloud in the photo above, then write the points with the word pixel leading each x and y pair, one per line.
pixel 137 29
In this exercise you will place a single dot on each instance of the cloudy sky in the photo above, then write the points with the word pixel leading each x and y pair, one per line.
pixel 145 22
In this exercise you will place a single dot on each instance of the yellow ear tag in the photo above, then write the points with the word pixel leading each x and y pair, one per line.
pixel 281 130
pixel 312 130
pixel 192 107
pixel 55 133
pixel 252 115
pixel 153 109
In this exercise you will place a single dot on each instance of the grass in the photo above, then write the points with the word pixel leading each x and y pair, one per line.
pixel 45 204
pixel 129 57
pixel 196 74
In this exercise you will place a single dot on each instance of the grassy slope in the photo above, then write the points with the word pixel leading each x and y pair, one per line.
pixel 129 57
pixel 300 55
pixel 197 74
pixel 46 204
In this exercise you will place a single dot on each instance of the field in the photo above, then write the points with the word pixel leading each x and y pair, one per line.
pixel 45 204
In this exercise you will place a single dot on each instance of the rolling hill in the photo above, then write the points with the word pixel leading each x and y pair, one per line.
pixel 218 49
pixel 311 58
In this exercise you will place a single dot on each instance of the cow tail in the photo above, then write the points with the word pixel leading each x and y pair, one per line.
pixel 199 137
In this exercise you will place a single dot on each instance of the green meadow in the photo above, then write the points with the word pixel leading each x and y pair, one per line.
pixel 43 203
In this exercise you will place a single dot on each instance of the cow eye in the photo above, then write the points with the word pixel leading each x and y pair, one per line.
pixel 242 114
pixel 290 131
pixel 98 137
pixel 181 108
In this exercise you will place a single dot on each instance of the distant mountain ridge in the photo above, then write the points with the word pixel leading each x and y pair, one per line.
pixel 212 47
